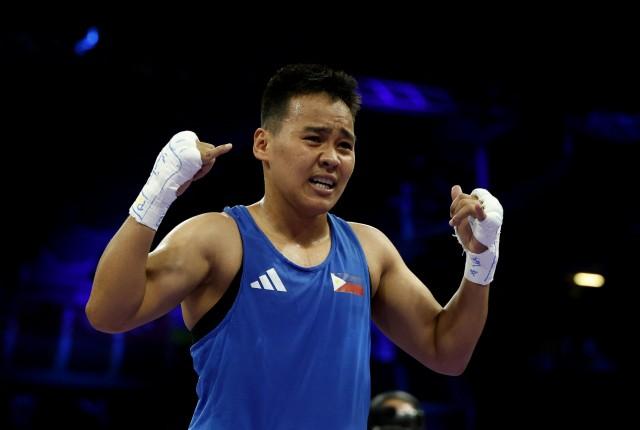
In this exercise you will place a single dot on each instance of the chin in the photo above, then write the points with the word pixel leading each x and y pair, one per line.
pixel 319 207
pixel 314 205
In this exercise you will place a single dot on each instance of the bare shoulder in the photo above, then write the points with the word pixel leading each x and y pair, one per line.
pixel 212 234
pixel 202 227
pixel 377 248
pixel 370 237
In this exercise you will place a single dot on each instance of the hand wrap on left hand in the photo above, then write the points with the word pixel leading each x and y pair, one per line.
pixel 480 268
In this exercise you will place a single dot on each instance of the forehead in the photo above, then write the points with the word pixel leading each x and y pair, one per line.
pixel 318 109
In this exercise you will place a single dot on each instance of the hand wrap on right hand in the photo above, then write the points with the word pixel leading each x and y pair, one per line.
pixel 177 163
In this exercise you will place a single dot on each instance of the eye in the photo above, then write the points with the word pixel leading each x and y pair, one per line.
pixel 346 145
pixel 315 139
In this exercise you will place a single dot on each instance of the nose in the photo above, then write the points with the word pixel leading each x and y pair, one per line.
pixel 329 158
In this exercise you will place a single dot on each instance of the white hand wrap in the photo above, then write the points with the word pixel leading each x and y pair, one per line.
pixel 480 268
pixel 177 163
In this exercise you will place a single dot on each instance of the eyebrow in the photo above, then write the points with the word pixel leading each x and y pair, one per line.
pixel 327 130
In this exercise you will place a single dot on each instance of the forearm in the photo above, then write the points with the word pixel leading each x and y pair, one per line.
pixel 459 326
pixel 477 219
pixel 119 283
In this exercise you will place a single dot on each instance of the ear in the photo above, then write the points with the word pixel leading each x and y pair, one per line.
pixel 261 139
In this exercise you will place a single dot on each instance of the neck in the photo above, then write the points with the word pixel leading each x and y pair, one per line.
pixel 283 220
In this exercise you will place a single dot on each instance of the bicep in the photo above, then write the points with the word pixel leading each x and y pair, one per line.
pixel 404 308
pixel 174 269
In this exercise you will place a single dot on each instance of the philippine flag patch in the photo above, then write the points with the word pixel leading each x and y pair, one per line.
pixel 345 283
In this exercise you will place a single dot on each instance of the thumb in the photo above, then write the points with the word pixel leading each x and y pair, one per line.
pixel 455 191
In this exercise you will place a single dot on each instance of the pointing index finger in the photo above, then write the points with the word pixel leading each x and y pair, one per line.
pixel 215 151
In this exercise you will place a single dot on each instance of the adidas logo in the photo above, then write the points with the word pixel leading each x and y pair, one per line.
pixel 270 281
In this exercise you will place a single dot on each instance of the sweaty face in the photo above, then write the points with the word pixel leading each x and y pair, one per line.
pixel 312 156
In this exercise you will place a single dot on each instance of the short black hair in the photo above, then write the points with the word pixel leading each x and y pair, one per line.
pixel 303 79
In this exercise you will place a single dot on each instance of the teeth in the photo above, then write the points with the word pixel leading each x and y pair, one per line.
pixel 326 182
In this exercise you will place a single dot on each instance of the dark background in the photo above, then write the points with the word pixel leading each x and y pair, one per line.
pixel 549 123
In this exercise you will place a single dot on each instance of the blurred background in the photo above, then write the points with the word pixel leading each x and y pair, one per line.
pixel 551 125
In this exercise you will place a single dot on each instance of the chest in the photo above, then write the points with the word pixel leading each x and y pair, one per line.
pixel 305 256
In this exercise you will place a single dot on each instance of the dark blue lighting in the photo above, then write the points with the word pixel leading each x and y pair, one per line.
pixel 386 95
pixel 88 42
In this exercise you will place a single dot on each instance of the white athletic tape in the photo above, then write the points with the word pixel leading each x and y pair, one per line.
pixel 480 268
pixel 487 229
pixel 177 163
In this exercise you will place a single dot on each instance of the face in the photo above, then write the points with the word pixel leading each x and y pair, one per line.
pixel 309 161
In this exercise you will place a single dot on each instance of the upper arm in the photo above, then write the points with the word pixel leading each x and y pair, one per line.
pixel 403 307
pixel 183 262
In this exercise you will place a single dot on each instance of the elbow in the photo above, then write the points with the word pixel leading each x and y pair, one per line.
pixel 450 369
pixel 454 370
pixel 455 365
pixel 448 364
pixel 99 322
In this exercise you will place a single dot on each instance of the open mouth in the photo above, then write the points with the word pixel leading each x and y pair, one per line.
pixel 323 183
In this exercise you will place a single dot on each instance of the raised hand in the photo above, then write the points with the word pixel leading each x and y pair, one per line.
pixel 462 207
pixel 183 160
pixel 477 220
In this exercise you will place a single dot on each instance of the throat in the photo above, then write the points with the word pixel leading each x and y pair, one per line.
pixel 306 256
pixel 303 241
pixel 287 226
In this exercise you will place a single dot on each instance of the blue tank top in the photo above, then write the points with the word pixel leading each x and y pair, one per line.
pixel 293 350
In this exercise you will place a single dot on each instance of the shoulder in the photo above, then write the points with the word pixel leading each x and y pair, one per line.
pixel 203 225
pixel 209 233
pixel 378 248
pixel 369 236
